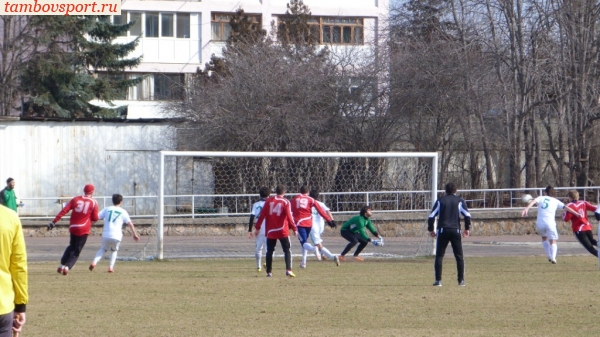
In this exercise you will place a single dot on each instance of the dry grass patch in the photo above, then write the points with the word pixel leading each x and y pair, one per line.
pixel 504 296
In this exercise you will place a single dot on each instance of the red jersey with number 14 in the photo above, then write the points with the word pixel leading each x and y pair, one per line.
pixel 277 216
pixel 579 224
pixel 84 211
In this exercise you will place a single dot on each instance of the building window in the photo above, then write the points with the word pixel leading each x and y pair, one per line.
pixel 151 25
pixel 166 25
pixel 115 77
pixel 170 24
pixel 121 20
pixel 168 87
pixel 183 25
pixel 136 29
pixel 221 29
pixel 157 87
pixel 337 30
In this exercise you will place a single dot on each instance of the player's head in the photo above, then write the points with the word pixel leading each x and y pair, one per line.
pixel 573 195
pixel 304 189
pixel 10 183
pixel 450 188
pixel 264 192
pixel 117 199
pixel 88 189
pixel 365 211
pixel 550 190
pixel 314 194
pixel 280 189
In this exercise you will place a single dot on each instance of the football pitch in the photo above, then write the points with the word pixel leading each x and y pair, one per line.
pixel 504 296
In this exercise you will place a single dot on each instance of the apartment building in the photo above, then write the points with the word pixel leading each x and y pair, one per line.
pixel 178 37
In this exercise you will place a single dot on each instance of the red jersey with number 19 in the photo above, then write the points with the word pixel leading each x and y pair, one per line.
pixel 277 216
pixel 579 224
pixel 85 210
pixel 302 210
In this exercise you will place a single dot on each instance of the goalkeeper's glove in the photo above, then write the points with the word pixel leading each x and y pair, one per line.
pixel 51 225
pixel 332 224
pixel 381 240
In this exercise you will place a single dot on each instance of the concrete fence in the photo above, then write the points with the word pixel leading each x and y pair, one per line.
pixel 484 223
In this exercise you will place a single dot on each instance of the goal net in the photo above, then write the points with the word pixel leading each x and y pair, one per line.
pixel 205 198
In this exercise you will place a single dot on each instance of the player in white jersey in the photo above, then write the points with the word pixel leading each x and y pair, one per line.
pixel 318 226
pixel 546 220
pixel 261 240
pixel 112 232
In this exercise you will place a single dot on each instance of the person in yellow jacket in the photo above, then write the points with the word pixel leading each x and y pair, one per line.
pixel 13 273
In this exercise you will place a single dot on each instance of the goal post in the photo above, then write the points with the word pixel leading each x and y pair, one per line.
pixel 392 182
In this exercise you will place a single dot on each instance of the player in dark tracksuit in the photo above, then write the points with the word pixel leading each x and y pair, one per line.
pixel 449 208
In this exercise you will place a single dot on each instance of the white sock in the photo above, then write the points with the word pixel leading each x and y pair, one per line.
pixel 547 249
pixel 113 259
pixel 308 247
pixel 554 250
pixel 327 253
pixel 257 256
pixel 304 253
pixel 98 256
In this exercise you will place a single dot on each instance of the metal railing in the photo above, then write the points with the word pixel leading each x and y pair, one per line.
pixel 215 205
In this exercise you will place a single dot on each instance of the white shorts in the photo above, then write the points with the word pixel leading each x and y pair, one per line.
pixel 261 242
pixel 547 231
pixel 315 234
pixel 110 244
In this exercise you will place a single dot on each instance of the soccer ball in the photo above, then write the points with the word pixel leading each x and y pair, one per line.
pixel 526 198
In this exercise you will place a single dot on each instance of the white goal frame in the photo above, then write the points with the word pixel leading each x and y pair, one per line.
pixel 164 154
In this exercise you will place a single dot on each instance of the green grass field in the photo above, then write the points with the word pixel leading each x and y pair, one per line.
pixel 516 296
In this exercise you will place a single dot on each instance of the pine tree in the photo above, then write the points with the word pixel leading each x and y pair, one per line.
pixel 62 77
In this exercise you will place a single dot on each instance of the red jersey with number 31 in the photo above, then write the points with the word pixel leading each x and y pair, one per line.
pixel 84 211
pixel 277 216
pixel 579 224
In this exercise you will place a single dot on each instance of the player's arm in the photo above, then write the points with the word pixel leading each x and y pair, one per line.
pixel 570 210
pixel 372 229
pixel 18 271
pixel 590 207
pixel 250 223
pixel 136 237
pixel 464 210
pixel 531 203
pixel 431 219
pixel 321 211
pixel 60 214
pixel 290 219
pixel 94 216
pixel 567 216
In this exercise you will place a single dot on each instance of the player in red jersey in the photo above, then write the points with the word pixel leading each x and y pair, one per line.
pixel 581 226
pixel 302 205
pixel 84 214
pixel 277 216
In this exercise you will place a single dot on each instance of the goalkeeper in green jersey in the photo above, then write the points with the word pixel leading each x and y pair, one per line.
pixel 354 230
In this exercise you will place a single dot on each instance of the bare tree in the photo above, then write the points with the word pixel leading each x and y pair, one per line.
pixel 17 46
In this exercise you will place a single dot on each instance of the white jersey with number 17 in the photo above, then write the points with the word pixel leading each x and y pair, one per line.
pixel 547 206
pixel 114 218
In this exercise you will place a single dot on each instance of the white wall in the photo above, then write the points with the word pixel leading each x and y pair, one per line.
pixel 56 159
